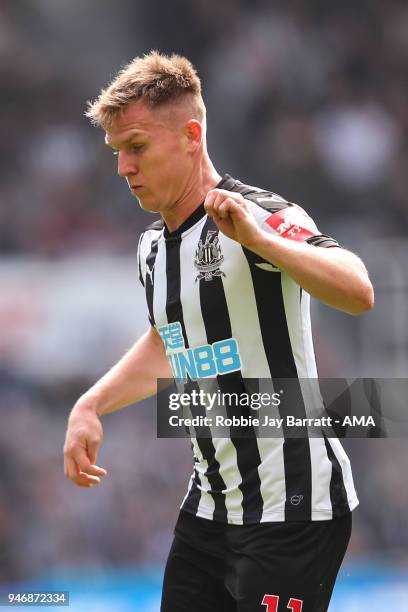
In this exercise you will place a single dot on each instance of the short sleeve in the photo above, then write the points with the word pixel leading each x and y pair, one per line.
pixel 323 240
pixel 277 216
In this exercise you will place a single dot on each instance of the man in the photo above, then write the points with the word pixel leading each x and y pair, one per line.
pixel 227 271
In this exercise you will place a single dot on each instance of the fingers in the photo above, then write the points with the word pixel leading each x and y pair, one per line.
pixel 220 203
pixel 89 477
pixel 92 448
pixel 80 470
pixel 73 472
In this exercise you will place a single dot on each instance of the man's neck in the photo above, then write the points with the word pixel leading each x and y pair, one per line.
pixel 205 179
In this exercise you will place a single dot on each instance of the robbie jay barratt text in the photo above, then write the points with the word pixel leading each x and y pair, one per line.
pixel 248 421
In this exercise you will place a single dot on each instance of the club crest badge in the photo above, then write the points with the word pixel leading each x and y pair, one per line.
pixel 208 257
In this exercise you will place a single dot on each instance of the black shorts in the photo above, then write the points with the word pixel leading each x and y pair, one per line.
pixel 269 567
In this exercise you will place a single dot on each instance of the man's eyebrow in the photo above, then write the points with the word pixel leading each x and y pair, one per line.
pixel 125 142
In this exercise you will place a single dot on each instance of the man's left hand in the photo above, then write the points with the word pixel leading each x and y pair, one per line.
pixel 232 216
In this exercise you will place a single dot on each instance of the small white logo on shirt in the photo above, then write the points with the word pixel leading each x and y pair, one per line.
pixel 149 271
pixel 267 267
pixel 296 499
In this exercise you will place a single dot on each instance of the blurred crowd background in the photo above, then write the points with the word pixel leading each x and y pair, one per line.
pixel 304 97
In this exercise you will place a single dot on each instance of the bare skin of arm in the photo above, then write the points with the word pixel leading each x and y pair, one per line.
pixel 131 380
pixel 334 276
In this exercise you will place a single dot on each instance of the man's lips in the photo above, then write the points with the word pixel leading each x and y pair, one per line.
pixel 134 187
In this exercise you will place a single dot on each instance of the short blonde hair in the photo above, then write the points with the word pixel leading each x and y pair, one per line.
pixel 156 78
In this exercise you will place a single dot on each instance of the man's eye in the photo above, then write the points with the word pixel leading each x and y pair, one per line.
pixel 137 147
pixel 116 153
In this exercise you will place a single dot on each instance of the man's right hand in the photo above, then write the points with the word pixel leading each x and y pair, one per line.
pixel 132 379
pixel 82 441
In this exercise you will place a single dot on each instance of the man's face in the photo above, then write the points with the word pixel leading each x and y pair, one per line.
pixel 154 154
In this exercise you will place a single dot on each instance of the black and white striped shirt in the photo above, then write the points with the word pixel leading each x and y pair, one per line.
pixel 224 312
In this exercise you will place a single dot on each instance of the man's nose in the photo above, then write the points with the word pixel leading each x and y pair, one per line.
pixel 126 165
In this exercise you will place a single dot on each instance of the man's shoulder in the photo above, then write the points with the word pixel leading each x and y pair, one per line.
pixel 156 225
pixel 266 199
pixel 285 218
pixel 150 235
pixel 153 229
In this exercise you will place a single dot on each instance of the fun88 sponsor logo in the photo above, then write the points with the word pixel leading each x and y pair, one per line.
pixel 204 361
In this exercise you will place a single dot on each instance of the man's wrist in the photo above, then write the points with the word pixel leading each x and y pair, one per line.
pixel 89 402
pixel 261 244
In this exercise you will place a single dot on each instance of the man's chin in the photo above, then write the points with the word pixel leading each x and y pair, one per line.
pixel 147 206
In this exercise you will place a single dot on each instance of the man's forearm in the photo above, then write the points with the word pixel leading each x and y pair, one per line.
pixel 332 275
pixel 131 379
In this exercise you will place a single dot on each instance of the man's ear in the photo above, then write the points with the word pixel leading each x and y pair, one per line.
pixel 194 133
